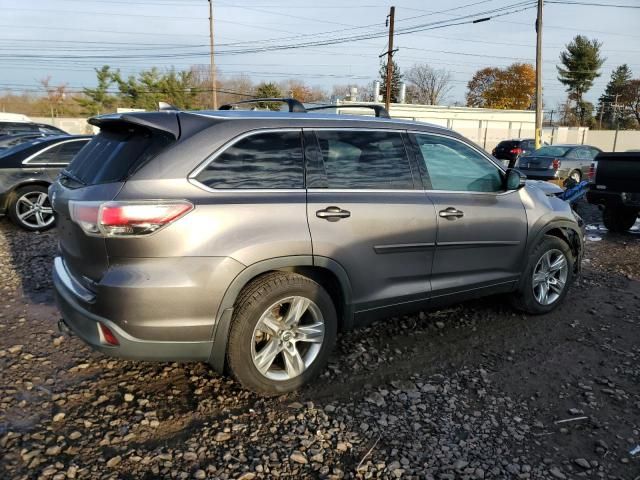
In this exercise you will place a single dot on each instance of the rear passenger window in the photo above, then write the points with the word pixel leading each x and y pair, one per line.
pixel 269 160
pixel 365 160
pixel 47 156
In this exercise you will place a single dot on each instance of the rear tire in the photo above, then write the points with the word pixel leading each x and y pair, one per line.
pixel 556 277
pixel 620 219
pixel 270 351
pixel 30 208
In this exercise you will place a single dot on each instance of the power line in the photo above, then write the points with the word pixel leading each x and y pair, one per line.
pixel 566 2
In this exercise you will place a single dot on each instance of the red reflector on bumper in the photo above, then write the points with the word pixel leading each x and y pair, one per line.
pixel 106 336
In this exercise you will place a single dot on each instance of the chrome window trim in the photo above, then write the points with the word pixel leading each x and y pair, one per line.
pixel 191 178
pixel 27 161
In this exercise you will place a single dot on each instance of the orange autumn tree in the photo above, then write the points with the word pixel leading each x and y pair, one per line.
pixel 513 87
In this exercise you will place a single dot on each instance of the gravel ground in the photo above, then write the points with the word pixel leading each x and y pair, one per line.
pixel 469 392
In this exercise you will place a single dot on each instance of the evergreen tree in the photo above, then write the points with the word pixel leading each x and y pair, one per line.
pixel 268 90
pixel 98 100
pixel 396 78
pixel 581 62
pixel 616 88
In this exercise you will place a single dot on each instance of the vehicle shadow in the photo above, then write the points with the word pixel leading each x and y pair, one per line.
pixel 26 262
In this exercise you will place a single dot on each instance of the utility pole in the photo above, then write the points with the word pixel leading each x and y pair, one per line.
pixel 212 71
pixel 539 76
pixel 387 96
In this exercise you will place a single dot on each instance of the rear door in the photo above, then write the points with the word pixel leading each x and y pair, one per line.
pixel 482 230
pixel 367 211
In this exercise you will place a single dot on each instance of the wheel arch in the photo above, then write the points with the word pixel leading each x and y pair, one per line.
pixel 8 197
pixel 566 231
pixel 325 271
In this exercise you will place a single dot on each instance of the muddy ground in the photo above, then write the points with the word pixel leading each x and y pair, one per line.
pixel 472 391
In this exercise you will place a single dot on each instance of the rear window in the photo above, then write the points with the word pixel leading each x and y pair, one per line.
pixel 508 144
pixel 113 155
pixel 551 151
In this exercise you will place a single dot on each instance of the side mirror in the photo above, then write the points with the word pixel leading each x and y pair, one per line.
pixel 515 180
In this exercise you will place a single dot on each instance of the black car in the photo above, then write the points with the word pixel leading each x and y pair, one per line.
pixel 510 150
pixel 10 141
pixel 27 170
pixel 11 128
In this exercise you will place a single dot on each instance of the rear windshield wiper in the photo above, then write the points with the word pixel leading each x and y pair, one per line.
pixel 71 176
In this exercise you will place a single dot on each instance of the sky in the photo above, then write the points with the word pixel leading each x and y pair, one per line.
pixel 67 39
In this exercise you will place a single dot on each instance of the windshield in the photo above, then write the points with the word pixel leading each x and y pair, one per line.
pixel 551 151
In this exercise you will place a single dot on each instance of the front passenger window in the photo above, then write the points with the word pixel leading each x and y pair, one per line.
pixel 453 166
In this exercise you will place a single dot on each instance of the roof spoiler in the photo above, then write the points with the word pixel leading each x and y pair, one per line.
pixel 294 105
pixel 379 110
pixel 164 121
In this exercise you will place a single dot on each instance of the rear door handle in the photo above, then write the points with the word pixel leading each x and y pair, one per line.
pixel 451 212
pixel 333 213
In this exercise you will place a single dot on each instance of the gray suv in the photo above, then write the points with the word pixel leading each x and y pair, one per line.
pixel 249 239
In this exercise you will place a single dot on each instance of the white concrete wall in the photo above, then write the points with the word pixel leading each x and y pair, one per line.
pixel 68 124
pixel 487 127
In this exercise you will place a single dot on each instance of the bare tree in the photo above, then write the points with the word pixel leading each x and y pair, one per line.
pixel 427 85
pixel 56 96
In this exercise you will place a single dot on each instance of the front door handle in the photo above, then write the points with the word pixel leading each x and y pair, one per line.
pixel 333 213
pixel 451 213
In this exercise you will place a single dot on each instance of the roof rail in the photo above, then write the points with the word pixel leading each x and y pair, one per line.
pixel 378 109
pixel 294 105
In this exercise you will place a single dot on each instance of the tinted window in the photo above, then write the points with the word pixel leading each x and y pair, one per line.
pixel 507 145
pixel 69 150
pixel 112 155
pixel 451 165
pixel 365 160
pixel 264 160
pixel 48 156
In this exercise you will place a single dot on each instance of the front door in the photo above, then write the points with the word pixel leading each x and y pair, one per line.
pixel 368 212
pixel 482 229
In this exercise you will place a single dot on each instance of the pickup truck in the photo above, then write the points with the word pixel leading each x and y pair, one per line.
pixel 615 185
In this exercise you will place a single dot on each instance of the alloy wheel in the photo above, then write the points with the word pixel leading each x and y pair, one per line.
pixel 287 338
pixel 550 277
pixel 34 210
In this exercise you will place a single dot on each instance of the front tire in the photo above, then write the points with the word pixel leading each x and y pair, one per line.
pixel 282 332
pixel 619 220
pixel 547 278
pixel 30 208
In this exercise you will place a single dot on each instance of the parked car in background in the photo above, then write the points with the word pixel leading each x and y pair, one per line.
pixel 558 162
pixel 249 238
pixel 9 141
pixel 510 150
pixel 12 127
pixel 615 185
pixel 27 170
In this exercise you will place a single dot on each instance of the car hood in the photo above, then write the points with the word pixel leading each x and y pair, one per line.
pixel 547 187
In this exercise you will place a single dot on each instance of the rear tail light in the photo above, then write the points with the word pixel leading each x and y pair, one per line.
pixel 555 164
pixel 106 336
pixel 126 219
pixel 516 151
pixel 592 172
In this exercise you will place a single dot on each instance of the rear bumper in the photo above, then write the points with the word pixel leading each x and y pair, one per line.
pixel 540 173
pixel 71 301
pixel 613 199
